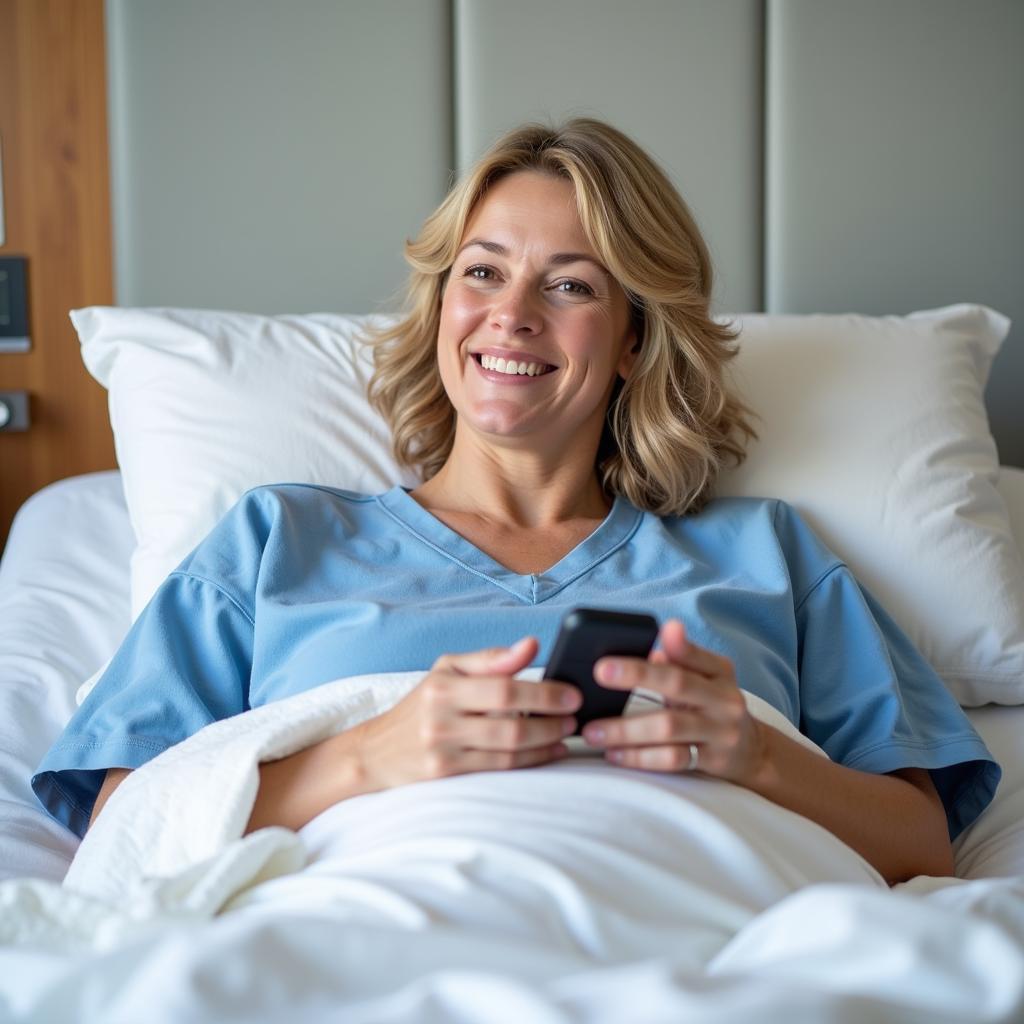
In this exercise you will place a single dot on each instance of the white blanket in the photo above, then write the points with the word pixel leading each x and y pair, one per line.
pixel 576 891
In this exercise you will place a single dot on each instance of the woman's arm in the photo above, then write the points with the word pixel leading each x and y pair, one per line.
pixel 113 779
pixel 295 789
pixel 443 727
pixel 895 821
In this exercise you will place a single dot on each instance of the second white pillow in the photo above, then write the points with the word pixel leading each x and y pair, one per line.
pixel 875 429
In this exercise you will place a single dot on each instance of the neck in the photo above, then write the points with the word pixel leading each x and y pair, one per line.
pixel 516 489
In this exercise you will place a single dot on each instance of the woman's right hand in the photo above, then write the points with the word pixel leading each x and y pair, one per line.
pixel 463 717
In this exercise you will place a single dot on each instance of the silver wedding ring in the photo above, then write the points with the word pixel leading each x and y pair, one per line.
pixel 694 757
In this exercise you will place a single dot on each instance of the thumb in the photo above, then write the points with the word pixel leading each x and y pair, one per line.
pixel 674 644
pixel 492 659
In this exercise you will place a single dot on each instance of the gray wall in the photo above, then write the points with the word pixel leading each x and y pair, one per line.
pixel 586 62
pixel 895 164
pixel 272 155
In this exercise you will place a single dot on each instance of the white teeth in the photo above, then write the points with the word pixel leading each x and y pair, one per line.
pixel 511 366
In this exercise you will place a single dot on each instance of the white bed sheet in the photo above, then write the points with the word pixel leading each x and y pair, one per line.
pixel 63 610
pixel 64 607
pixel 548 895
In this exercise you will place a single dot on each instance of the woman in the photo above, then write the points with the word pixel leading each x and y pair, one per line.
pixel 559 382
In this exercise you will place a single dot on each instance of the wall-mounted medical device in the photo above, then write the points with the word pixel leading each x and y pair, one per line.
pixel 14 335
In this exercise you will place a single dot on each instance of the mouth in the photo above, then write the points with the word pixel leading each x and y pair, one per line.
pixel 495 367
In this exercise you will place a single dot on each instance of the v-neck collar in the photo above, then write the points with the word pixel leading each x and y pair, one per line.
pixel 616 528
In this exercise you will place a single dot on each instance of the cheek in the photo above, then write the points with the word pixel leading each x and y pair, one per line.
pixel 459 315
pixel 590 337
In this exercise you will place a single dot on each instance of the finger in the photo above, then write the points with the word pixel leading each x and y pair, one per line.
pixel 653 759
pixel 654 729
pixel 678 648
pixel 510 734
pixel 677 685
pixel 493 693
pixel 505 760
pixel 490 659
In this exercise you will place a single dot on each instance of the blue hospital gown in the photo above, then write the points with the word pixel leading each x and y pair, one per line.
pixel 299 585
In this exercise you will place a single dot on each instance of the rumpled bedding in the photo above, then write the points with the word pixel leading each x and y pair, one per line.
pixel 578 891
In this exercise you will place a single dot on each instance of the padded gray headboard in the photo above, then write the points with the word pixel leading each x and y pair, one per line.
pixel 272 155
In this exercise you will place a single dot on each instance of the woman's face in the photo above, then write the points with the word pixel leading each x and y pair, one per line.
pixel 527 288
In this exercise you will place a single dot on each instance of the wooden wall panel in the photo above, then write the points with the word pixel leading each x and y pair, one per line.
pixel 53 125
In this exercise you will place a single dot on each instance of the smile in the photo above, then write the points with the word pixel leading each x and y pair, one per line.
pixel 496 367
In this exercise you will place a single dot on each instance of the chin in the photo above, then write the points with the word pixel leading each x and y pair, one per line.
pixel 498 426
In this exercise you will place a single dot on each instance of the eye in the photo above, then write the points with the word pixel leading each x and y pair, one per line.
pixel 570 287
pixel 479 272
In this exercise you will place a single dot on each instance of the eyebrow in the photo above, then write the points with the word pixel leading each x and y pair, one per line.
pixel 557 258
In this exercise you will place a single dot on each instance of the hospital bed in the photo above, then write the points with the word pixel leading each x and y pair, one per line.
pixel 188 392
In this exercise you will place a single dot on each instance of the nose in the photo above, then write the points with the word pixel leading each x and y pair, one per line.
pixel 516 311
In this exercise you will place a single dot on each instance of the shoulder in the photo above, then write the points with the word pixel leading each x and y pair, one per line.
pixel 275 516
pixel 757 531
pixel 730 518
pixel 303 494
pixel 804 541
pixel 267 504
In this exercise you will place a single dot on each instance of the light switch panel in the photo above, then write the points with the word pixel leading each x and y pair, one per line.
pixel 13 411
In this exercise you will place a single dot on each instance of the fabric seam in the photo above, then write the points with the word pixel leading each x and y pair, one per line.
pixel 216 586
pixel 596 561
pixel 447 554
pixel 817 583
pixel 130 741
pixel 335 491
pixel 915 744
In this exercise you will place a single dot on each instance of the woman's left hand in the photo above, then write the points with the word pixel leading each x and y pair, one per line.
pixel 705 725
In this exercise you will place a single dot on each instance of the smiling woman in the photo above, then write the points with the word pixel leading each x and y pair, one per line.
pixel 558 383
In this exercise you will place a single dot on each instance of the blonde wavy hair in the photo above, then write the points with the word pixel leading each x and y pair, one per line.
pixel 672 424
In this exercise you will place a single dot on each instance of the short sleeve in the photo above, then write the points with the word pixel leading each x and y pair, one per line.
pixel 872 702
pixel 185 663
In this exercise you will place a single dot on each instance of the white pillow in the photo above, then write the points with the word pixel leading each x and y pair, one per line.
pixel 874 428
pixel 206 404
